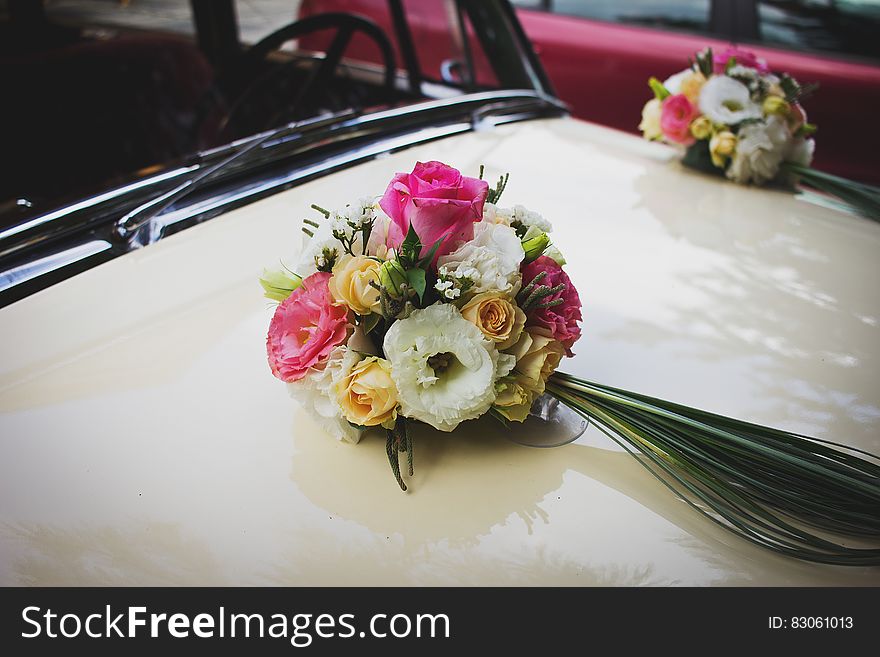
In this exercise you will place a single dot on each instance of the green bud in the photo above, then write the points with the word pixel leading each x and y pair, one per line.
pixel 392 276
pixel 534 242
pixel 278 284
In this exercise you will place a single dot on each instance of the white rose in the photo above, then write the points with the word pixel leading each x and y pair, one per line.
pixel 491 260
pixel 727 102
pixel 760 149
pixel 444 368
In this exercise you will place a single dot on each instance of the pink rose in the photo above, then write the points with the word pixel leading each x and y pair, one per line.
pixel 559 322
pixel 305 329
pixel 676 114
pixel 742 57
pixel 438 202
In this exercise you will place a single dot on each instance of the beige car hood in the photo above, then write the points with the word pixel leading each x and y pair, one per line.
pixel 144 441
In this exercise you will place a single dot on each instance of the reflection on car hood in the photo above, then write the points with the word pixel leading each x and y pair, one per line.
pixel 146 442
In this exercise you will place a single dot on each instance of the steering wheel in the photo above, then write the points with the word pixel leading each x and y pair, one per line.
pixel 252 76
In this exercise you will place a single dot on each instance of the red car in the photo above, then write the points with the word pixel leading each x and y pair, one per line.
pixel 601 67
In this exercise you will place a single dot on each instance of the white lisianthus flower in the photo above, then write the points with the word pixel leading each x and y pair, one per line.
pixel 727 102
pixel 491 260
pixel 444 368
pixel 760 149
pixel 315 392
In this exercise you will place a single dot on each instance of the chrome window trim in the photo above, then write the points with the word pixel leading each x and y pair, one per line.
pixel 37 245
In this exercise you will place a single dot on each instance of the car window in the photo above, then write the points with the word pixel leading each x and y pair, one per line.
pixel 688 15
pixel 839 27
pixel 849 27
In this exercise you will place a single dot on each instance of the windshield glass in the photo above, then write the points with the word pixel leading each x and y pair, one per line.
pixel 109 91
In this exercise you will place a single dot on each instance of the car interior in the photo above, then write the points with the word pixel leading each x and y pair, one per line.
pixel 98 103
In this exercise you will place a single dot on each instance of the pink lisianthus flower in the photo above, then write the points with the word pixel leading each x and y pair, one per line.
pixel 559 322
pixel 676 114
pixel 742 57
pixel 305 329
pixel 438 202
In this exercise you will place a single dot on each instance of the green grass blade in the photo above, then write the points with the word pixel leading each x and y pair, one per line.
pixel 787 492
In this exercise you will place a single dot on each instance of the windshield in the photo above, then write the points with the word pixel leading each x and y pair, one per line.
pixel 105 92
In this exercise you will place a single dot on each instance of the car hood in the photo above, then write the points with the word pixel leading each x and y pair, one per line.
pixel 145 441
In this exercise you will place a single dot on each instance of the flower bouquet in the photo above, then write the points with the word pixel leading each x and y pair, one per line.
pixel 735 117
pixel 436 305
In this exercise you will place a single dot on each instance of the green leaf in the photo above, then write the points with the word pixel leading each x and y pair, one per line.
pixel 410 247
pixel 429 257
pixel 790 88
pixel 318 208
pixel 770 487
pixel 807 129
pixel 705 62
pixel 416 280
pixel 660 92
pixel 369 322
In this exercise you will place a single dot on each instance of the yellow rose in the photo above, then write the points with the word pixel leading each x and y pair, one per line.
pixel 701 127
pixel 775 105
pixel 721 146
pixel 537 357
pixel 350 284
pixel 514 397
pixel 497 316
pixel 691 85
pixel 367 395
pixel 650 125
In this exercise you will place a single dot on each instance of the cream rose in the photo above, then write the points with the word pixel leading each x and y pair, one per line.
pixel 701 127
pixel 691 85
pixel 721 146
pixel 497 316
pixel 350 284
pixel 515 397
pixel 367 394
pixel 650 125
pixel 537 357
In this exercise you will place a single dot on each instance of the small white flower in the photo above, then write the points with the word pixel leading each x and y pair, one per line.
pixel 444 368
pixel 313 248
pixel 529 218
pixel 760 148
pixel 727 102
pixel 491 260
pixel 361 213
